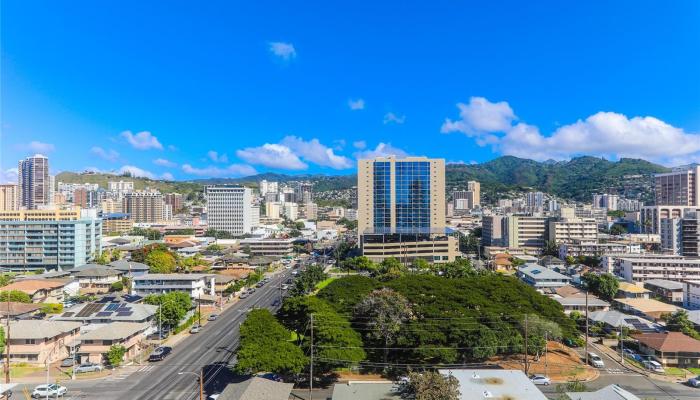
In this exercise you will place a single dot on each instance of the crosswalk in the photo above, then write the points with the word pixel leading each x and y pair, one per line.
pixel 614 371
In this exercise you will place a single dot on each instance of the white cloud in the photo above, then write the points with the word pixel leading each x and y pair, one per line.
pixel 390 117
pixel 360 144
pixel 212 171
pixel 136 171
pixel 283 50
pixel 164 163
pixel 142 141
pixel 272 156
pixel 604 134
pixel 172 147
pixel 167 176
pixel 109 155
pixel 382 150
pixel 480 116
pixel 8 176
pixel 38 147
pixel 358 104
pixel 216 157
pixel 315 152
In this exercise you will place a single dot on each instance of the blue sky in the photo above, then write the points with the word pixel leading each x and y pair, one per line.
pixel 198 89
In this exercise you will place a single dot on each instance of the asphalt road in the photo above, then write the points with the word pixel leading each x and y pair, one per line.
pixel 175 377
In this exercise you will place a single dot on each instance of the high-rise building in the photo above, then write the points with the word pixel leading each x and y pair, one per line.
pixel 229 208
pixel 9 197
pixel 273 209
pixel 680 187
pixel 120 188
pixel 48 239
pixel 291 211
pixel 85 198
pixel 174 200
pixel 492 230
pixel 474 188
pixel 570 230
pixel 670 230
pixel 464 200
pixel 524 231
pixel 303 192
pixel 534 200
pixel 144 206
pixel 606 201
pixel 267 187
pixel 34 182
pixel 401 209
pixel 690 235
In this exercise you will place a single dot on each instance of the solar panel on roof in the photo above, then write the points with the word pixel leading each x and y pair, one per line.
pixel 68 314
pixel 104 313
pixel 536 271
pixel 112 307
pixel 124 313
pixel 90 309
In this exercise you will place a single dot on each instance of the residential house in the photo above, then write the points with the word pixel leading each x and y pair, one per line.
pixel 551 262
pixel 647 308
pixel 95 344
pixel 576 303
pixel 610 392
pixel 40 290
pixel 257 388
pixel 671 349
pixel 669 291
pixel 96 280
pixel 130 268
pixel 39 342
pixel 540 277
pixel 494 383
pixel 366 390
pixel 195 285
pixel 106 313
pixel 16 310
pixel 222 282
pixel 612 320
pixel 502 262
pixel 631 291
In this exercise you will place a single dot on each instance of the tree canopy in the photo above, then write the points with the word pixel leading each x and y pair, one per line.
pixel 173 306
pixel 430 385
pixel 15 295
pixel 161 262
pixel 604 285
pixel 679 322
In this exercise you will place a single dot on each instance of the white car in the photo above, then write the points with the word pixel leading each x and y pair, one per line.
pixel 51 390
pixel 694 382
pixel 540 380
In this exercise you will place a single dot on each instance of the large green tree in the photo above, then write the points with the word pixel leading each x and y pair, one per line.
pixel 15 295
pixel 266 347
pixel 679 322
pixel 172 307
pixel 430 385
pixel 604 285
pixel 382 314
pixel 161 262
pixel 115 356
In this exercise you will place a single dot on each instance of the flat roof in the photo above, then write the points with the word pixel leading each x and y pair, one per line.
pixel 498 383
pixel 648 305
pixel 632 288
pixel 666 284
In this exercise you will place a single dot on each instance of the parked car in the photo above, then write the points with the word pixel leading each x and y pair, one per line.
pixel 540 380
pixel 595 360
pixel 88 367
pixel 195 329
pixel 214 396
pixel 68 362
pixel 213 317
pixel 243 295
pixel 276 303
pixel 272 377
pixel 160 353
pixel 50 390
pixel 654 366
pixel 694 382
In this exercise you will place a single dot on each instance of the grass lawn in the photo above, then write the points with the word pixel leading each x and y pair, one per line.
pixel 20 371
pixel 695 371
pixel 324 283
pixel 673 371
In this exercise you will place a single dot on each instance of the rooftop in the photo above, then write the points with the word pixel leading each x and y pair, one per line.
pixel 125 312
pixel 125 266
pixel 114 331
pixel 581 301
pixel 172 277
pixel 257 388
pixel 610 392
pixel 366 390
pixel 14 308
pixel 31 286
pixel 669 342
pixel 666 284
pixel 98 272
pixel 37 329
pixel 498 383
pixel 632 288
pixel 648 305
pixel 538 272
pixel 615 318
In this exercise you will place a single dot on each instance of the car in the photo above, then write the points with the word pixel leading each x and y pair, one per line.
pixel 214 396
pixel 243 295
pixel 285 286
pixel 88 367
pixel 654 366
pixel 288 266
pixel 195 329
pixel 595 360
pixel 260 284
pixel 540 380
pixel 276 303
pixel 50 390
pixel 272 377
pixel 694 382
pixel 295 273
pixel 213 317
pixel 251 290
pixel 160 353
pixel 68 362
pixel 628 352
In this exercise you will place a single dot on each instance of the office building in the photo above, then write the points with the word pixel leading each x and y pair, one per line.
pixel 524 231
pixel 463 200
pixel 111 206
pixel 174 200
pixel 606 201
pixel 492 230
pixel 629 205
pixel 273 209
pixel 287 195
pixel 310 211
pixel 291 211
pixel 116 223
pixel 34 182
pixel 268 247
pixel 48 239
pixel 401 209
pixel 570 230
pixel 474 189
pixel 650 216
pixel 9 197
pixel 678 188
pixel 671 235
pixel 229 208
pixel 303 192
pixel 120 188
pixel 144 206
pixel 268 187
pixel 690 235
pixel 534 200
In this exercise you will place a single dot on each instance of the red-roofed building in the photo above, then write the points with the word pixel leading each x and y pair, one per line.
pixel 670 348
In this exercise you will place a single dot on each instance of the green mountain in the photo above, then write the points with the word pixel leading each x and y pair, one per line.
pixel 576 179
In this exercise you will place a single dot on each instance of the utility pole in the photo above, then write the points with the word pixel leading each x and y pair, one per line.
pixel 201 384
pixel 527 366
pixel 546 341
pixel 586 352
pixel 622 347
pixel 199 300
pixel 7 341
pixel 311 367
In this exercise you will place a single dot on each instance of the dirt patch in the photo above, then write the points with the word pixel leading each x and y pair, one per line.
pixel 561 364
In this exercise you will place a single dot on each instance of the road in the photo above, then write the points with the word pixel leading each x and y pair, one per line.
pixel 212 349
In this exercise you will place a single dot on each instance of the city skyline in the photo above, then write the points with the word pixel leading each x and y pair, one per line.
pixel 234 93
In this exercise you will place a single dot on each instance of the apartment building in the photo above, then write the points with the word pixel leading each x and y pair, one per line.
pixel 669 291
pixel 144 206
pixel 116 223
pixel 679 187
pixel 269 247
pixel 571 230
pixel 401 209
pixel 34 182
pixel 48 239
pixel 593 248
pixel 464 200
pixel 120 188
pixel 41 342
pixel 644 269
pixel 492 230
pixel 194 284
pixel 650 217
pixel 41 290
pixel 9 197
pixel 229 208
pixel 525 231
pixel 174 200
pixel 691 294
pixel 95 344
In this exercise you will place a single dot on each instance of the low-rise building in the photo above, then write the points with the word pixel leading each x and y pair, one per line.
pixel 647 308
pixel 579 304
pixel 195 285
pixel 631 291
pixel 645 269
pixel 130 268
pixel 106 313
pixel 435 246
pixel 540 277
pixel 671 349
pixel 494 384
pixel 257 388
pixel 610 392
pixel 568 230
pixel 269 247
pixel 612 320
pixel 38 342
pixel 592 248
pixel 96 279
pixel 691 295
pixel 40 290
pixel 670 291
pixel 95 344
pixel 116 223
pixel 16 310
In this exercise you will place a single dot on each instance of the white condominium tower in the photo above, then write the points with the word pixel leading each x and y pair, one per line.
pixel 229 208
pixel 34 182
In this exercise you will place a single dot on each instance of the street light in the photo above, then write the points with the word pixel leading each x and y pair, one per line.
pixel 199 375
